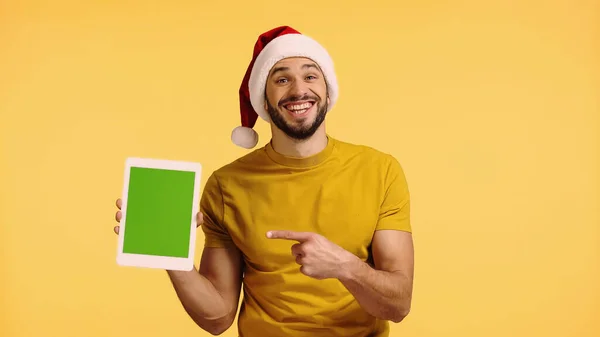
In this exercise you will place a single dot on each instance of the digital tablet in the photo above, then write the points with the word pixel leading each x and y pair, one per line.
pixel 159 207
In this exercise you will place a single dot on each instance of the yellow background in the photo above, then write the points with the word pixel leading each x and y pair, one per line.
pixel 491 107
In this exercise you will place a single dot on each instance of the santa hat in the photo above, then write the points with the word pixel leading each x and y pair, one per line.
pixel 271 47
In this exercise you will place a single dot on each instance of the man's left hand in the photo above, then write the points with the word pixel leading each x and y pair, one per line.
pixel 318 257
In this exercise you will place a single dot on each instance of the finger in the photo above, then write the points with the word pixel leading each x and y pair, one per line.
pixel 297 250
pixel 290 235
pixel 305 270
pixel 116 229
pixel 118 216
pixel 300 260
pixel 199 219
pixel 119 203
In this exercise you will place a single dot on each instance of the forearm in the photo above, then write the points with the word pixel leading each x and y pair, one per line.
pixel 202 301
pixel 385 295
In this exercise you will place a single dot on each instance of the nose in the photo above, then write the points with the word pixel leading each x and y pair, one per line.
pixel 298 88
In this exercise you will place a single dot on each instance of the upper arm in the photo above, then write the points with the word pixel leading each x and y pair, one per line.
pixel 392 245
pixel 393 251
pixel 223 267
pixel 221 260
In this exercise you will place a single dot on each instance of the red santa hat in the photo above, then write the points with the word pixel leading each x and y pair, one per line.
pixel 271 47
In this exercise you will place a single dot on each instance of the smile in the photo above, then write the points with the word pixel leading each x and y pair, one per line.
pixel 298 108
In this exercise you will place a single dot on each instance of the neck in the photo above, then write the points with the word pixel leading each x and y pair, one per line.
pixel 291 147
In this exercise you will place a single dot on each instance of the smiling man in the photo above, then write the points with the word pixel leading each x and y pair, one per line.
pixel 316 231
pixel 306 110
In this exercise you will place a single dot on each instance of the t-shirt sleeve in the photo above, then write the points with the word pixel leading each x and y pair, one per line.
pixel 213 208
pixel 395 208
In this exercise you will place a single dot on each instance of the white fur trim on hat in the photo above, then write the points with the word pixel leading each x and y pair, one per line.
pixel 289 45
pixel 244 137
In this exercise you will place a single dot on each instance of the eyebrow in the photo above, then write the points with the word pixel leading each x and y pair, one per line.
pixel 304 66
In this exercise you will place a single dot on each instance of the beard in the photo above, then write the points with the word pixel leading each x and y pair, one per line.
pixel 297 131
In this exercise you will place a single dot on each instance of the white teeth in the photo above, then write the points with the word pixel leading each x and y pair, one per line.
pixel 301 107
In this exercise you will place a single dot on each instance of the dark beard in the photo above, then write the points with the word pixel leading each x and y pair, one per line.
pixel 297 132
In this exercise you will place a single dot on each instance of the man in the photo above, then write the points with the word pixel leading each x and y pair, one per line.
pixel 316 230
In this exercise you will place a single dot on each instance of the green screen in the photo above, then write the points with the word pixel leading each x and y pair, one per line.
pixel 159 212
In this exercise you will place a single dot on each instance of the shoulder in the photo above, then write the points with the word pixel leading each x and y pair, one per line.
pixel 367 153
pixel 372 161
pixel 218 180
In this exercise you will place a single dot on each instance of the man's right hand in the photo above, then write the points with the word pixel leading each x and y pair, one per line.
pixel 119 215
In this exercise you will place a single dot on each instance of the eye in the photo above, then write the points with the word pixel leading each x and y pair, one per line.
pixel 281 80
pixel 311 77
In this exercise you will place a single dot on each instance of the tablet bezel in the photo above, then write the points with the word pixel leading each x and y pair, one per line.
pixel 154 261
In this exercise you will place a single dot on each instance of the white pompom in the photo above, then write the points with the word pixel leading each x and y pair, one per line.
pixel 244 137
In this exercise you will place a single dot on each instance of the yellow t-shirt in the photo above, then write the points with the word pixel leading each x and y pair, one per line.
pixel 345 193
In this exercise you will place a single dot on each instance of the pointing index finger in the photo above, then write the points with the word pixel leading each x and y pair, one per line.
pixel 289 235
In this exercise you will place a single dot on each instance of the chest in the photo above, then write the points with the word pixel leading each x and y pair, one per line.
pixel 344 208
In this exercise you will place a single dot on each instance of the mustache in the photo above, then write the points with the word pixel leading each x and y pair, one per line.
pixel 299 98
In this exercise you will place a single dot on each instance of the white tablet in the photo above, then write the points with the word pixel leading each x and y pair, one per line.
pixel 159 207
